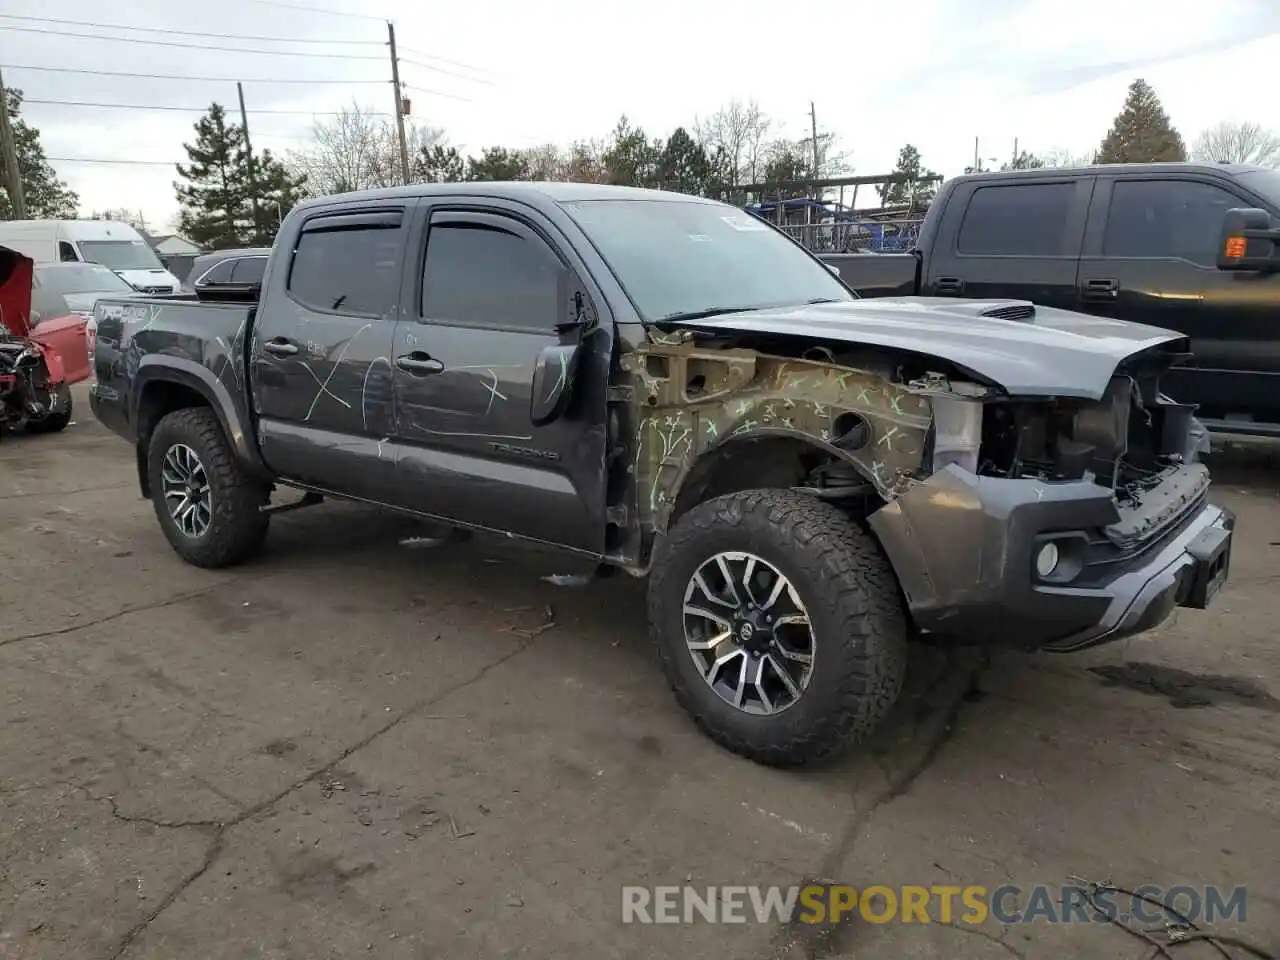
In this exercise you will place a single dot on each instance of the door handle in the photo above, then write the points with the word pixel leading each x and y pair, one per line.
pixel 949 286
pixel 280 347
pixel 1100 289
pixel 419 363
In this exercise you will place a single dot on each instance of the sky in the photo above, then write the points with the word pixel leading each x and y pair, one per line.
pixel 934 73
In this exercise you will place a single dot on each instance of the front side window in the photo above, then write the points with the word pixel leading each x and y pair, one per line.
pixel 1167 219
pixel 355 270
pixel 479 274
pixel 248 270
pixel 219 274
pixel 677 257
pixel 67 253
pixel 1024 219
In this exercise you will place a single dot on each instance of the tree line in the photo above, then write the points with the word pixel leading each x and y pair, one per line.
pixel 230 196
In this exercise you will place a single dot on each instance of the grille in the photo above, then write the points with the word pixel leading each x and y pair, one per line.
pixel 1016 311
pixel 165 289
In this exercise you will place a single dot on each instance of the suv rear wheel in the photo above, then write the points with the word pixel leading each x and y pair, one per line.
pixel 779 625
pixel 207 505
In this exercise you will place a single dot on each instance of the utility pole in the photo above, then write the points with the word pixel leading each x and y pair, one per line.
pixel 395 82
pixel 813 124
pixel 248 150
pixel 977 163
pixel 9 152
pixel 1015 153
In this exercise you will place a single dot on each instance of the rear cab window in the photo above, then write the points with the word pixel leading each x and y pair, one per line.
pixel 1017 220
pixel 349 263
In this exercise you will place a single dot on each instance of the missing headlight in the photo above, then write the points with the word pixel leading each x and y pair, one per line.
pixel 957 433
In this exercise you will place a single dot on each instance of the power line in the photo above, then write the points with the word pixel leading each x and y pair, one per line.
pixel 451 73
pixel 452 63
pixel 300 8
pixel 155 106
pixel 204 46
pixel 145 163
pixel 170 76
pixel 185 33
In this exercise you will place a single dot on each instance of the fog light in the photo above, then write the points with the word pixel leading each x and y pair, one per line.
pixel 1047 560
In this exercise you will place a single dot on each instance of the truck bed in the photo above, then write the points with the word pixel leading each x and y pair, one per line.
pixel 204 340
pixel 877 274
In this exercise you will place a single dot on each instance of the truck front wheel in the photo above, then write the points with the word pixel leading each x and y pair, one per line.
pixel 207 505
pixel 779 625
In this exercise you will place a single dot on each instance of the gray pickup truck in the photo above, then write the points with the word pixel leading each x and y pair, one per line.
pixel 665 385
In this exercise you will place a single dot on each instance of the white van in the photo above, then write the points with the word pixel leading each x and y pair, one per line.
pixel 115 245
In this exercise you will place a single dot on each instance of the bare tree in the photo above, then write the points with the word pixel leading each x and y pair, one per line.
pixel 737 133
pixel 1059 157
pixel 1238 143
pixel 357 150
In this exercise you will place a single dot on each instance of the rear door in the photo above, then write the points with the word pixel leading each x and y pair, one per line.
pixel 1151 257
pixel 320 357
pixel 1011 239
pixel 491 283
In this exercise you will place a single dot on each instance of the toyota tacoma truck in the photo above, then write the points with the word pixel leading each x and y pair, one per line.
pixel 665 385
pixel 1129 241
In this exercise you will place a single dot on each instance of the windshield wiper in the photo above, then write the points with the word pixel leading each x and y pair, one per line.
pixel 703 313
pixel 823 300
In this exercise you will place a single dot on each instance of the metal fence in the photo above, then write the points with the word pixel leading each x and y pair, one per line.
pixel 876 236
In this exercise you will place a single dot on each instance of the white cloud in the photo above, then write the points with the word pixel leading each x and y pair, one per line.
pixel 937 75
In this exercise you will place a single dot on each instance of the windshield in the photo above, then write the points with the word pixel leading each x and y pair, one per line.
pixel 679 256
pixel 120 254
pixel 1265 182
pixel 81 278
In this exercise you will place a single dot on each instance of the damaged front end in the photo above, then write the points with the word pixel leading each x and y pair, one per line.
pixel 1058 524
pixel 1035 521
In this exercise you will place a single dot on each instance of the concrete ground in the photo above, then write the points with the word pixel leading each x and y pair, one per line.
pixel 352 748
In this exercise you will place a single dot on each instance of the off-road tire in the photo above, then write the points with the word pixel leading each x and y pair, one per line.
pixel 54 422
pixel 855 608
pixel 238 528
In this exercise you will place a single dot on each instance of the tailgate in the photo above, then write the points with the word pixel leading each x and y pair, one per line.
pixel 67 337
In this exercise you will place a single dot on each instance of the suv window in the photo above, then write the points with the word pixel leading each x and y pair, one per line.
pixel 478 274
pixel 248 270
pixel 1025 219
pixel 219 274
pixel 351 271
pixel 1168 219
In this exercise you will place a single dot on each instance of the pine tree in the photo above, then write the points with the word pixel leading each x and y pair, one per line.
pixel 910 191
pixel 1142 131
pixel 215 206
pixel 45 196
pixel 278 192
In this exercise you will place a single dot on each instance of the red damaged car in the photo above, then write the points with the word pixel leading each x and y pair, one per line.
pixel 40 356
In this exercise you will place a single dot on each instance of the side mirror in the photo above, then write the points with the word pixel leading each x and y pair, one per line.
pixel 1248 241
pixel 554 373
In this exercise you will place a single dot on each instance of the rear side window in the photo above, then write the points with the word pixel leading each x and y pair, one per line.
pixel 481 275
pixel 219 274
pixel 351 270
pixel 1025 219
pixel 249 270
pixel 1167 219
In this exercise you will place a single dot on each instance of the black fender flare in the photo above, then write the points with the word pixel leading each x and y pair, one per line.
pixel 166 368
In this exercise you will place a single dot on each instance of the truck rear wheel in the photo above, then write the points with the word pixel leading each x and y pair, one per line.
pixel 779 625
pixel 207 505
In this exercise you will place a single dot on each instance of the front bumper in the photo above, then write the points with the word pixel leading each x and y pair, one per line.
pixel 963 548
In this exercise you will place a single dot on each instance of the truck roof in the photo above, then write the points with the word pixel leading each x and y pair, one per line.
pixel 537 191
pixel 1227 169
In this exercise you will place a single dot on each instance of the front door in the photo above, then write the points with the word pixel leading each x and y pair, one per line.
pixel 492 288
pixel 1154 261
pixel 321 355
